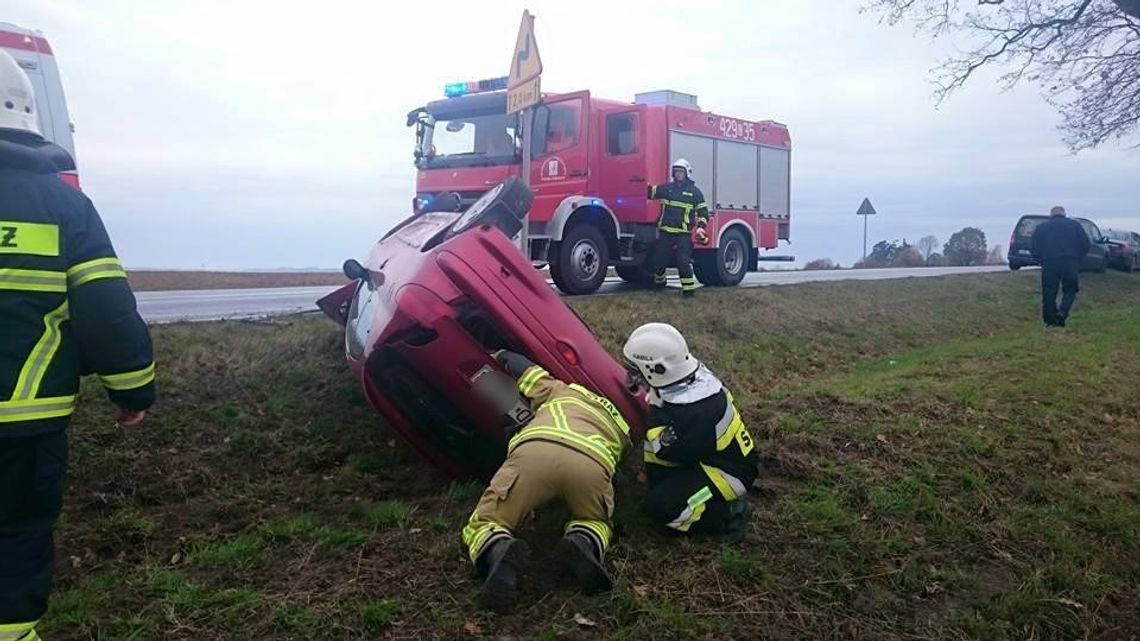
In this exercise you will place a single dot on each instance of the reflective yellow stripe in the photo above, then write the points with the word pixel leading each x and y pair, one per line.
pixel 693 510
pixel 128 380
pixel 605 404
pixel 674 230
pixel 676 203
pixel 94 270
pixel 36 409
pixel 32 239
pixel 32 374
pixel 574 438
pixel 19 631
pixel 530 378
pixel 33 280
pixel 600 529
pixel 727 427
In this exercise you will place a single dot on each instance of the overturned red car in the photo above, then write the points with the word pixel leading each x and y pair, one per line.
pixel 435 297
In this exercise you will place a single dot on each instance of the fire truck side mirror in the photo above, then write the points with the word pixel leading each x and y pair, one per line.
pixel 540 126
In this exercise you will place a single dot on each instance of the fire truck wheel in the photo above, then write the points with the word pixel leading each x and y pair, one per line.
pixel 504 206
pixel 727 264
pixel 579 263
pixel 635 274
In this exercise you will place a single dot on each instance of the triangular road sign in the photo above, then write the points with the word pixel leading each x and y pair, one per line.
pixel 866 209
pixel 526 64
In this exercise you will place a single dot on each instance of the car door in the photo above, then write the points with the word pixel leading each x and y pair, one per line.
pixel 559 151
pixel 1097 252
pixel 621 171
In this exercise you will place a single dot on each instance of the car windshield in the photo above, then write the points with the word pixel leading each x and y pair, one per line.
pixel 1122 236
pixel 1026 226
pixel 460 141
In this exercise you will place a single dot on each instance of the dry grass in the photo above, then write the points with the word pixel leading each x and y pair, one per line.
pixel 935 466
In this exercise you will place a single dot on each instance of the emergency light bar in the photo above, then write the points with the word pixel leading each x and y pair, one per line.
pixel 457 89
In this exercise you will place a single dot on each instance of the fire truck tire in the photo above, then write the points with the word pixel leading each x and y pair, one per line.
pixel 635 275
pixel 578 263
pixel 727 264
pixel 503 206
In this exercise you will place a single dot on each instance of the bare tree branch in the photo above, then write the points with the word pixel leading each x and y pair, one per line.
pixel 1084 55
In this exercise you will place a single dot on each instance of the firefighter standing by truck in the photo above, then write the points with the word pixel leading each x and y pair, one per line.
pixel 568 450
pixel 699 457
pixel 683 206
pixel 65 310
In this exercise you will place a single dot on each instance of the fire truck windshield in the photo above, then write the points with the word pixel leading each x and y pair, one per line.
pixel 468 141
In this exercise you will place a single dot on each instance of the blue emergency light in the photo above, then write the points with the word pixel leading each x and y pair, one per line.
pixel 457 89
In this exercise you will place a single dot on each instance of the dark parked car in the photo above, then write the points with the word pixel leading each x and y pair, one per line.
pixel 1123 249
pixel 1021 254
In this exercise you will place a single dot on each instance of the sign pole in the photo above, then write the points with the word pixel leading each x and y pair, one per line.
pixel 523 92
pixel 865 210
pixel 865 217
pixel 524 234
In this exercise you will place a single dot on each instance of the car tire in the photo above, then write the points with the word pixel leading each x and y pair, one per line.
pixel 579 262
pixel 504 206
pixel 635 275
pixel 1014 266
pixel 1103 267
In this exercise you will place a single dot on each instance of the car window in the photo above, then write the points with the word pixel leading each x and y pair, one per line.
pixel 1091 230
pixel 1026 226
pixel 556 127
pixel 621 134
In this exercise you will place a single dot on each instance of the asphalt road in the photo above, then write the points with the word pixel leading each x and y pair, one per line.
pixel 204 305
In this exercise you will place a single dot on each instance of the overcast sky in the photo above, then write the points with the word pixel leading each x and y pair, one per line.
pixel 239 134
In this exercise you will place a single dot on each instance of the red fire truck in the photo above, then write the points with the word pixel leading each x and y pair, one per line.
pixel 591 162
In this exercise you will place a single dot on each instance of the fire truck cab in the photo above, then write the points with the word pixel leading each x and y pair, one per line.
pixel 591 163
pixel 34 55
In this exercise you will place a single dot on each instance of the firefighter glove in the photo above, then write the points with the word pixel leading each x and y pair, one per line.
pixel 515 364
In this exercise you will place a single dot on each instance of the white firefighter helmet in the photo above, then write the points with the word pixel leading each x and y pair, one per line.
pixel 681 163
pixel 17 99
pixel 660 354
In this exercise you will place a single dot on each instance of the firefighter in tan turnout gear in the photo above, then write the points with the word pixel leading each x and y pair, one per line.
pixel 65 310
pixel 700 459
pixel 569 450
pixel 683 207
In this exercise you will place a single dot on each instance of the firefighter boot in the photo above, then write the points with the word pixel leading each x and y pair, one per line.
pixel 580 555
pixel 500 565
pixel 739 513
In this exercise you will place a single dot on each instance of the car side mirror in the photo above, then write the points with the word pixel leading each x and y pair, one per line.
pixel 353 270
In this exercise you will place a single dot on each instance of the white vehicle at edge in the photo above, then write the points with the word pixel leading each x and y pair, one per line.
pixel 34 55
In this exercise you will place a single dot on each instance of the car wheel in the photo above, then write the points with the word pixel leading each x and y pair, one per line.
pixel 1014 266
pixel 582 259
pixel 1103 266
pixel 503 206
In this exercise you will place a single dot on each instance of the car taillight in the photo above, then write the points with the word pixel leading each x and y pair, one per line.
pixel 1012 239
pixel 417 204
pixel 568 354
pixel 70 179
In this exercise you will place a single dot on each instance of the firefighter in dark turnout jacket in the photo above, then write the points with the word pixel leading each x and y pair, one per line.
pixel 683 206
pixel 700 459
pixel 65 310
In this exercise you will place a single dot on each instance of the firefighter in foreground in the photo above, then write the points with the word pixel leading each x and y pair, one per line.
pixel 682 206
pixel 569 450
pixel 65 310
pixel 699 457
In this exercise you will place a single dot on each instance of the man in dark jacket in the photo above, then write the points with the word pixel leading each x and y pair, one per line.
pixel 65 310
pixel 1059 244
